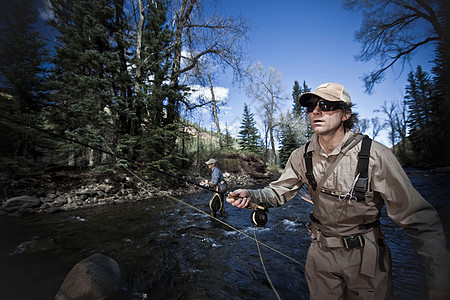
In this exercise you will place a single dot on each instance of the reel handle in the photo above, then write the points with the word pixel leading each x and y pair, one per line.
pixel 259 215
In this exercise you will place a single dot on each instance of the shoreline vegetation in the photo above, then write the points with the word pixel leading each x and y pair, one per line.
pixel 66 188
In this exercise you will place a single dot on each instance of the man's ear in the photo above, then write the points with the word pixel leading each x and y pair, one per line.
pixel 346 116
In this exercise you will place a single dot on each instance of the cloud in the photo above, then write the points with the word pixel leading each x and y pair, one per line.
pixel 201 92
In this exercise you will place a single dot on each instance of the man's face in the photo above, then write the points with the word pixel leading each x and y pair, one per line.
pixel 211 166
pixel 326 122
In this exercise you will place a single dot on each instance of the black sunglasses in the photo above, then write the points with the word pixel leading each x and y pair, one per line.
pixel 324 105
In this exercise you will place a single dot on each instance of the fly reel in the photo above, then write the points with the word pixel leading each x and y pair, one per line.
pixel 259 215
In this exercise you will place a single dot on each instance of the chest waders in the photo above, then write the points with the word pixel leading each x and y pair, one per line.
pixel 372 231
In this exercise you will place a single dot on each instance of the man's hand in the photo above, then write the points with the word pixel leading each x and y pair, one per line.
pixel 239 198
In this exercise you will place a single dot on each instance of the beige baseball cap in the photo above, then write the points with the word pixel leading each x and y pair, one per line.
pixel 329 91
pixel 211 161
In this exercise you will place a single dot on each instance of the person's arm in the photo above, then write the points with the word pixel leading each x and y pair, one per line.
pixel 214 176
pixel 407 208
pixel 278 192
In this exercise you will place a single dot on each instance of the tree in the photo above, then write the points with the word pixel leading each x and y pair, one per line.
pixel 396 113
pixel 215 38
pixel 294 126
pixel 22 92
pixel 441 80
pixel 249 138
pixel 393 31
pixel 377 126
pixel 228 140
pixel 363 125
pixel 89 79
pixel 423 121
pixel 267 89
pixel 300 111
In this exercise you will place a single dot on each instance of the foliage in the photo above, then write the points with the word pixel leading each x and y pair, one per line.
pixel 422 121
pixel 295 129
pixel 289 142
pixel 249 138
pixel 22 56
pixel 392 31
pixel 266 88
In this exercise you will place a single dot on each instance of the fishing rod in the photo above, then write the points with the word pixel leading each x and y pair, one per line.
pixel 112 154
pixel 258 216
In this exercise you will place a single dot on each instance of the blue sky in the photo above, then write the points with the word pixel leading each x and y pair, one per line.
pixel 312 41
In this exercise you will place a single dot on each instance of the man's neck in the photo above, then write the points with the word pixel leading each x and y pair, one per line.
pixel 330 142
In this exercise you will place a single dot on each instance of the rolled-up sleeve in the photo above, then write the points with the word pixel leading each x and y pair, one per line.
pixel 407 208
pixel 283 189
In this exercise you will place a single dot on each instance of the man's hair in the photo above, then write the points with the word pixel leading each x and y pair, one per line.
pixel 351 121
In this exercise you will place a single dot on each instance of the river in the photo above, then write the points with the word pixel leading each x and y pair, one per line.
pixel 172 251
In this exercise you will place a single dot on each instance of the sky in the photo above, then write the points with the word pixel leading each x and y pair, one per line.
pixel 311 41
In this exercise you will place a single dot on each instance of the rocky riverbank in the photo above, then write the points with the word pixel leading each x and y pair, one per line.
pixel 71 188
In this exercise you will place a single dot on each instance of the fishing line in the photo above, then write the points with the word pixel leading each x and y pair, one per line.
pixel 264 266
pixel 159 171
pixel 216 219
pixel 111 154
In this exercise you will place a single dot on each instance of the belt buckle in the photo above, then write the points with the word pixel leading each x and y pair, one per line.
pixel 350 242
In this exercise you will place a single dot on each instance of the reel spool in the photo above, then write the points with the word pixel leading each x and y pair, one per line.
pixel 259 217
pixel 215 204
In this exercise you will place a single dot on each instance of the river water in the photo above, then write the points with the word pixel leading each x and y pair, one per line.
pixel 172 251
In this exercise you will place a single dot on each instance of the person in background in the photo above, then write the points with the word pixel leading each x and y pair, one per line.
pixel 349 181
pixel 220 185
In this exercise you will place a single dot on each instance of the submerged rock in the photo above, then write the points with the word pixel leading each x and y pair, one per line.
pixel 96 277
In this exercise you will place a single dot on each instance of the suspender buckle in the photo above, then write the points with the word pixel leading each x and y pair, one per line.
pixel 361 185
pixel 350 242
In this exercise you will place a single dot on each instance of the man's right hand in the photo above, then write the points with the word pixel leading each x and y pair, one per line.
pixel 239 198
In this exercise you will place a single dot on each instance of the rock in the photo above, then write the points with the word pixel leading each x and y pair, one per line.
pixel 21 203
pixel 87 193
pixel 96 277
pixel 53 209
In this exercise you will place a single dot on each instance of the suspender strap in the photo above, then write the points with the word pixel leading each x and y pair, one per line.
pixel 309 169
pixel 362 169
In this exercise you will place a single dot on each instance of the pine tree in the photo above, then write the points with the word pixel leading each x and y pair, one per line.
pixel 89 80
pixel 289 142
pixel 158 141
pixel 422 121
pixel 228 141
pixel 22 56
pixel 250 139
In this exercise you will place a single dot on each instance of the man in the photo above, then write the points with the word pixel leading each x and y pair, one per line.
pixel 348 258
pixel 220 185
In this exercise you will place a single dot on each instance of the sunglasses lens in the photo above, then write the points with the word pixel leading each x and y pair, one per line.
pixel 326 106
pixel 323 105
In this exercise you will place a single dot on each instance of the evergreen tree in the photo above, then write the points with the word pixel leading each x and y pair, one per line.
pixel 228 141
pixel 22 56
pixel 89 72
pixel 250 139
pixel 422 121
pixel 289 142
pixel 300 111
pixel 441 71
pixel 158 140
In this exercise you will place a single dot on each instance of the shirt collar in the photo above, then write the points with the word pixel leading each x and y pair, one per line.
pixel 315 146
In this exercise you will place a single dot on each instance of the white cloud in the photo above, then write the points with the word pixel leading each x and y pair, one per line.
pixel 201 92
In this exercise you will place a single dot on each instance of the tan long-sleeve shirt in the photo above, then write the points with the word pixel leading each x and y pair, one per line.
pixel 388 185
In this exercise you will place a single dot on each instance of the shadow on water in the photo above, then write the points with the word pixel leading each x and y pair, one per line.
pixel 171 251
